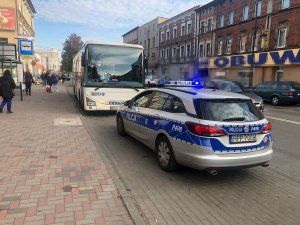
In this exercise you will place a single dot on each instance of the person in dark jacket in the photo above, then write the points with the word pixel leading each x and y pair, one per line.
pixel 7 87
pixel 49 80
pixel 28 81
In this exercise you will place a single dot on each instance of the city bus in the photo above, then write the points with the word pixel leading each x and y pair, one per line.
pixel 107 74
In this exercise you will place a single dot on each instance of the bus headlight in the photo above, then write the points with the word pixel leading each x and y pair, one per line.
pixel 90 102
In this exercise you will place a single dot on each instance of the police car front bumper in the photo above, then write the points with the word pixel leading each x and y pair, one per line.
pixel 204 158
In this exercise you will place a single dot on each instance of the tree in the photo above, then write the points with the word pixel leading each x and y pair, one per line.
pixel 71 46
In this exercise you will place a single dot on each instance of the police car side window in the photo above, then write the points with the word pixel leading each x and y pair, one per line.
pixel 158 100
pixel 177 106
pixel 142 100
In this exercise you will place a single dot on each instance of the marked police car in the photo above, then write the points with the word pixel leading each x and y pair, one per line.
pixel 199 128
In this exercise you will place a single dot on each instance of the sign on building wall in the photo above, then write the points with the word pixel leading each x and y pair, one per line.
pixel 7 19
pixel 282 57
pixel 26 47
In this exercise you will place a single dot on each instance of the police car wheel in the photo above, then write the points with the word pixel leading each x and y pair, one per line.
pixel 165 155
pixel 120 125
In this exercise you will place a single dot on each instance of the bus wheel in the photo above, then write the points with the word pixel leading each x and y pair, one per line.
pixel 80 100
pixel 120 126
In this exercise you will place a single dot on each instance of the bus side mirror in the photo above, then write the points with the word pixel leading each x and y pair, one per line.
pixel 146 63
pixel 83 60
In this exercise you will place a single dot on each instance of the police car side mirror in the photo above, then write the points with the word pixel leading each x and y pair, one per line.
pixel 128 103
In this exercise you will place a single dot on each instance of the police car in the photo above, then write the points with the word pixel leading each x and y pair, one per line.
pixel 199 128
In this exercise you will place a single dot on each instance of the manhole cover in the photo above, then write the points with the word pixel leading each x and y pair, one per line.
pixel 53 157
pixel 68 122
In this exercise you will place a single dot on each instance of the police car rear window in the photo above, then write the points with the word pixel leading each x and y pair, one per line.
pixel 227 110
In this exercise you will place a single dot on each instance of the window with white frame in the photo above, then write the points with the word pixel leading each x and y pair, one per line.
pixel 258 8
pixel 221 21
pixel 162 36
pixel 281 36
pixel 174 32
pixel 189 27
pixel 162 53
pixel 208 49
pixel 202 27
pixel 220 46
pixel 174 52
pixel 228 44
pixel 245 13
pixel 167 53
pixel 168 35
pixel 230 18
pixel 182 51
pixel 153 42
pixel 201 50
pixel 188 50
pixel 182 29
pixel 285 4
pixel 209 25
pixel 242 41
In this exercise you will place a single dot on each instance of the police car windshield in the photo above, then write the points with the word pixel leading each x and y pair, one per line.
pixel 227 110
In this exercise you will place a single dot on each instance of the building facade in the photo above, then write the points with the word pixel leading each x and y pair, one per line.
pixel 177 47
pixel 148 37
pixel 49 59
pixel 131 37
pixel 16 21
pixel 256 41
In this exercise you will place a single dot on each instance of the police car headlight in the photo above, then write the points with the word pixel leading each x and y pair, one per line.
pixel 90 102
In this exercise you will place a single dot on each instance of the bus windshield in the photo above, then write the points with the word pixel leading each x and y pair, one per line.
pixel 114 66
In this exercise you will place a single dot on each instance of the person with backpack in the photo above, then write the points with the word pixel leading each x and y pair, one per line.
pixel 28 81
pixel 7 90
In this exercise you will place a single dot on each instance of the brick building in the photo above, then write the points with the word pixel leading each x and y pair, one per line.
pixel 177 52
pixel 267 39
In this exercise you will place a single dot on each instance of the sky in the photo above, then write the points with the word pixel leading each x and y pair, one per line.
pixel 99 20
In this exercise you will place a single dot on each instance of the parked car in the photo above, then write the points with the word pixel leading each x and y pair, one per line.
pixel 236 87
pixel 279 92
pixel 150 80
pixel 65 77
pixel 200 128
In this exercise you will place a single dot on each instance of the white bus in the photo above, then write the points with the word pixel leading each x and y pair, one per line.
pixel 107 74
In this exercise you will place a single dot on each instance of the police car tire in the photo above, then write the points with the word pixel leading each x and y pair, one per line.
pixel 171 165
pixel 120 126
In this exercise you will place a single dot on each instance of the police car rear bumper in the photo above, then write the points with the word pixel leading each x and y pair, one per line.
pixel 195 159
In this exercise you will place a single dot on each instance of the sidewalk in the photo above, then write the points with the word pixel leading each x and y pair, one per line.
pixel 50 170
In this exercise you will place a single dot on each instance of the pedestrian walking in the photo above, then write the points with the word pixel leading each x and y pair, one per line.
pixel 28 81
pixel 44 78
pixel 7 91
pixel 49 81
pixel 54 81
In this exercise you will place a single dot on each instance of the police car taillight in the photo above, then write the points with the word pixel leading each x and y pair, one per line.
pixel 205 130
pixel 267 128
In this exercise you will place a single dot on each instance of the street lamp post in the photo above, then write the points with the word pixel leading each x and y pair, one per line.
pixel 253 46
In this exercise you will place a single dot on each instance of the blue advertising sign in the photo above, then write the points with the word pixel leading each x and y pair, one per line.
pixel 25 47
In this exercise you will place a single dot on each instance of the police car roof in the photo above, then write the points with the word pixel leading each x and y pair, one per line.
pixel 202 93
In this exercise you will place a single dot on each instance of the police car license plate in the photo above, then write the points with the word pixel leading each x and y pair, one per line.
pixel 242 138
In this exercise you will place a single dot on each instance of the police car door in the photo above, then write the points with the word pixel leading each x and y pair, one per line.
pixel 153 117
pixel 133 115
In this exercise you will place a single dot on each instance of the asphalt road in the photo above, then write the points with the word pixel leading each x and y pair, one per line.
pixel 253 196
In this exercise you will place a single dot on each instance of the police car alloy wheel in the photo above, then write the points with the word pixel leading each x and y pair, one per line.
pixel 120 126
pixel 165 155
pixel 275 100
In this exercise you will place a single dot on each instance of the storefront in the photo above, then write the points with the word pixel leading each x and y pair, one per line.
pixel 267 66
